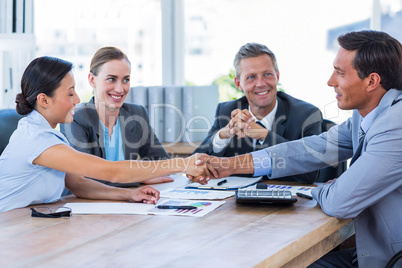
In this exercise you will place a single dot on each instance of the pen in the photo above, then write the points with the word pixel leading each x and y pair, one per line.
pixel 175 207
pixel 221 182
pixel 304 195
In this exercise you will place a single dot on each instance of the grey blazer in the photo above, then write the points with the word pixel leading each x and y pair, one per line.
pixel 294 119
pixel 370 191
pixel 85 133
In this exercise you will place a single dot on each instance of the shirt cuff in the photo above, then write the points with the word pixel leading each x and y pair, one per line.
pixel 219 144
pixel 262 163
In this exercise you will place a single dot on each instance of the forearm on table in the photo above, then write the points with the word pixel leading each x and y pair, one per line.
pixel 90 189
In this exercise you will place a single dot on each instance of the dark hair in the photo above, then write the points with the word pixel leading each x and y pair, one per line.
pixel 376 52
pixel 43 75
pixel 250 50
pixel 103 55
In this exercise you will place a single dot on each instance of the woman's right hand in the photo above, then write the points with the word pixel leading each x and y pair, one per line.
pixel 147 195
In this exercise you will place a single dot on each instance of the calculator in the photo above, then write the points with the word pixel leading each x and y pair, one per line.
pixel 260 195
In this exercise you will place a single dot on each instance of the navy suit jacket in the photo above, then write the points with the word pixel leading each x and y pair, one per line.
pixel 85 134
pixel 294 119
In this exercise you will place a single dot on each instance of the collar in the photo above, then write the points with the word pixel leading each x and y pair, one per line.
pixel 391 97
pixel 368 120
pixel 37 118
pixel 40 124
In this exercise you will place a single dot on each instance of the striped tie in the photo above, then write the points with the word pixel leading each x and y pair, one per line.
pixel 258 122
pixel 354 259
pixel 255 142
pixel 355 156
pixel 362 134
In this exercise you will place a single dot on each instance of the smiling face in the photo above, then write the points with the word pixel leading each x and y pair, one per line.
pixel 258 80
pixel 63 102
pixel 111 84
pixel 351 91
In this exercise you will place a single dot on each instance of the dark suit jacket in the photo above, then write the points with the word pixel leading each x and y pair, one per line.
pixel 85 133
pixel 294 119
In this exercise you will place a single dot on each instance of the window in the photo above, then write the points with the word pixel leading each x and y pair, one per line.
pixel 79 28
pixel 296 31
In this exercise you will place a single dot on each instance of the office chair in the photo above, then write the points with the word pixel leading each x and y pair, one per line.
pixel 8 123
pixel 394 260
pixel 331 172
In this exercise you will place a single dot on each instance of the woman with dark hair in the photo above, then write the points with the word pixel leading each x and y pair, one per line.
pixel 108 127
pixel 38 161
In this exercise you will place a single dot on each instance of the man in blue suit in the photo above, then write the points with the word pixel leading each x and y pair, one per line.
pixel 280 116
pixel 367 77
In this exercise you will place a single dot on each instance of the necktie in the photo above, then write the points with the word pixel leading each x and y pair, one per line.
pixel 362 134
pixel 355 156
pixel 355 263
pixel 258 122
pixel 255 142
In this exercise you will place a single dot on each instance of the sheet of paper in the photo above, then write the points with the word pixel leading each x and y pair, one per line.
pixel 203 208
pixel 109 208
pixel 182 193
pixel 228 183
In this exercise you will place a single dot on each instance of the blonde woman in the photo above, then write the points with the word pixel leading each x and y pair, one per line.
pixel 106 126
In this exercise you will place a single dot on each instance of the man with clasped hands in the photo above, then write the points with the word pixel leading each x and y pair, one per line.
pixel 277 117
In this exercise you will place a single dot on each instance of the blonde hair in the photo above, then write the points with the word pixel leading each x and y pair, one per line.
pixel 104 55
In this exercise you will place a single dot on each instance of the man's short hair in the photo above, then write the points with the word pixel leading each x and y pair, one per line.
pixel 376 52
pixel 250 50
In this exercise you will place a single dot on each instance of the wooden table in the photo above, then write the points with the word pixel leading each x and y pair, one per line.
pixel 180 149
pixel 231 236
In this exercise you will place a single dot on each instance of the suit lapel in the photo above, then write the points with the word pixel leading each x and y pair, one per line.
pixel 279 125
pixel 243 103
pixel 96 125
pixel 246 145
pixel 390 98
pixel 126 130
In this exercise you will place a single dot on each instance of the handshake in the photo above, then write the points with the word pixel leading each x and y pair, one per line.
pixel 202 167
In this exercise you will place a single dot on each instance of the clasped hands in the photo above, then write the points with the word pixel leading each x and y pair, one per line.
pixel 242 124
